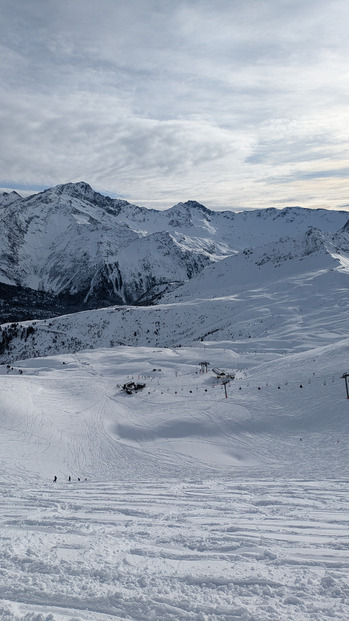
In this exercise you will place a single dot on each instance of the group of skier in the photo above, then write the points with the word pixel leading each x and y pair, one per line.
pixel 69 479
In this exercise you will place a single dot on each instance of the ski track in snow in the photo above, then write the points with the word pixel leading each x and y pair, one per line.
pixel 203 550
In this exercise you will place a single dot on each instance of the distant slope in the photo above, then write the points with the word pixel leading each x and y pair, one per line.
pixel 289 257
pixel 285 415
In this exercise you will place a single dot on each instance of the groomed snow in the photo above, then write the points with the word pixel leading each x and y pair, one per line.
pixel 195 506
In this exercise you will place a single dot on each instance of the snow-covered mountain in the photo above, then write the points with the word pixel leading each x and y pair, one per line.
pixel 68 242
pixel 69 248
pixel 253 295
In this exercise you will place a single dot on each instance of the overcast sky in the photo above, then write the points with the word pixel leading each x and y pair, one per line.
pixel 234 103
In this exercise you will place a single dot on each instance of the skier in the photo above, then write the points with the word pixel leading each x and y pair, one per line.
pixel 69 478
pixel 54 479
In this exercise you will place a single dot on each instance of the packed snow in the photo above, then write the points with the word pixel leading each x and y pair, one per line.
pixel 190 504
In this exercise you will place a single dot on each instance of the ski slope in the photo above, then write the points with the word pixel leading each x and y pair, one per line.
pixel 190 505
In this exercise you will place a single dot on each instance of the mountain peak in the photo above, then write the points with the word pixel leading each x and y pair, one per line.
pixel 6 198
pixel 182 214
pixel 79 189
pixel 190 205
pixel 83 191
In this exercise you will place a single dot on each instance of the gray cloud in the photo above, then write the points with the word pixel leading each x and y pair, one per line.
pixel 300 175
pixel 155 99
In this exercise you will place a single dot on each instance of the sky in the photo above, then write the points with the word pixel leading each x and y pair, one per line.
pixel 233 103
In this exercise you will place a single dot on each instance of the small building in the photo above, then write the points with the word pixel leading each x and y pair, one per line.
pixel 131 387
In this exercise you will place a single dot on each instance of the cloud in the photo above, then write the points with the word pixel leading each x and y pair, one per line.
pixel 314 174
pixel 154 99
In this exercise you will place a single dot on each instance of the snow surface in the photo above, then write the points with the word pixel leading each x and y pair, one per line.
pixel 196 506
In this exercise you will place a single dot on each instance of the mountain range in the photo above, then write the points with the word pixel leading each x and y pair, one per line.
pixel 86 270
pixel 69 248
